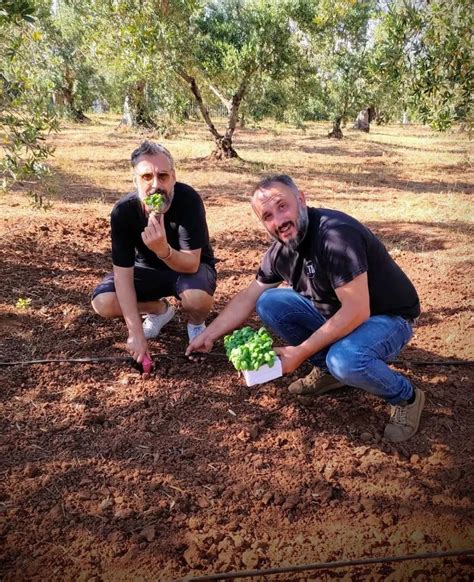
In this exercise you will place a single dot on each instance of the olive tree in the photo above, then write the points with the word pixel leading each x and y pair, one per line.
pixel 219 51
pixel 26 114
pixel 425 50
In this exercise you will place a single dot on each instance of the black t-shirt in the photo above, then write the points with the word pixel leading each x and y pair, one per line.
pixel 185 225
pixel 336 249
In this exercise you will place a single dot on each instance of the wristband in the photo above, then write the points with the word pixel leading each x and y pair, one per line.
pixel 170 250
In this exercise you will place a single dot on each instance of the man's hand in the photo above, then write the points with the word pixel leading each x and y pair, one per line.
pixel 154 235
pixel 201 343
pixel 291 358
pixel 138 347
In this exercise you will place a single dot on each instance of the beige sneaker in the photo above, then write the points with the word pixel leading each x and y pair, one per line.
pixel 404 420
pixel 315 383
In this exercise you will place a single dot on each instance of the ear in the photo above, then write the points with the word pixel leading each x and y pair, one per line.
pixel 302 197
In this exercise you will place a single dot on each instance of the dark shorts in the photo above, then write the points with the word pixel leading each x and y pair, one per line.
pixel 153 284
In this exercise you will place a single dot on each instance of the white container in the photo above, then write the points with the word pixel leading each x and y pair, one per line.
pixel 263 374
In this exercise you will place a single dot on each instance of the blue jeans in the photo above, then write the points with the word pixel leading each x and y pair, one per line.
pixel 358 359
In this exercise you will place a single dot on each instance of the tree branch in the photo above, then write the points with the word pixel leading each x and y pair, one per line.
pixel 236 101
pixel 226 102
pixel 191 81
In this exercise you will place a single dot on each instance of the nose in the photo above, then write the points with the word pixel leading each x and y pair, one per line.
pixel 155 182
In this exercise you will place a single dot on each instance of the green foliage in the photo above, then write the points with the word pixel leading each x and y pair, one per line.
pixel 26 115
pixel 23 303
pixel 329 75
pixel 76 76
pixel 135 44
pixel 425 51
pixel 17 11
pixel 340 56
pixel 38 201
pixel 293 60
pixel 235 38
pixel 248 349
pixel 155 202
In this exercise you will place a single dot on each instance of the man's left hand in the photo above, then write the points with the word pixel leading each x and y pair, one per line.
pixel 291 358
pixel 154 235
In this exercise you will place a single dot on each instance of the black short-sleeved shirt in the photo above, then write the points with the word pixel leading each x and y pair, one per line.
pixel 336 249
pixel 185 224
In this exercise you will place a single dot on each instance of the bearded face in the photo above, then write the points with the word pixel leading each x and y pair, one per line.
pixel 301 227
pixel 154 175
pixel 283 213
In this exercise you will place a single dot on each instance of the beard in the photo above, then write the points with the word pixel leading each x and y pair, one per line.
pixel 301 230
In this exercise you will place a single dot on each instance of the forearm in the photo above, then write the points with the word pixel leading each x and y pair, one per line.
pixel 235 314
pixel 179 261
pixel 127 299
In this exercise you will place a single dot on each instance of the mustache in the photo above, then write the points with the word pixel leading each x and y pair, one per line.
pixel 284 225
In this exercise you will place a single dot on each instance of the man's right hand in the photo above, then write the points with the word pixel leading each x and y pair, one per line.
pixel 201 343
pixel 137 346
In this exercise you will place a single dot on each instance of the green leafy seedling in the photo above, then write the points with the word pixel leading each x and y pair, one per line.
pixel 248 349
pixel 155 202
pixel 23 303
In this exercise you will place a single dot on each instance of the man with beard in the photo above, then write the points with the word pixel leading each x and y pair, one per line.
pixel 157 255
pixel 347 307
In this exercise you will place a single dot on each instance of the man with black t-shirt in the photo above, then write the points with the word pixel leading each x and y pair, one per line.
pixel 348 308
pixel 157 255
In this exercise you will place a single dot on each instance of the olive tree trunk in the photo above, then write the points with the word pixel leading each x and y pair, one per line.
pixel 224 141
pixel 336 131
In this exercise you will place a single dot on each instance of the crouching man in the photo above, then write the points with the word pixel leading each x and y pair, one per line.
pixel 349 308
pixel 157 254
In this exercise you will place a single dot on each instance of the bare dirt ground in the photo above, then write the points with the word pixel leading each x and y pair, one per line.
pixel 106 475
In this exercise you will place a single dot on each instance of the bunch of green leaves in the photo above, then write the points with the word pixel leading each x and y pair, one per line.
pixel 248 349
pixel 155 202
pixel 425 48
pixel 26 116
pixel 23 303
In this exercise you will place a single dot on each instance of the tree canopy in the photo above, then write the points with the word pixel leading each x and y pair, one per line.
pixel 293 60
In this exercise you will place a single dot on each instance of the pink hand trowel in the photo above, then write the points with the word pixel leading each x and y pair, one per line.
pixel 147 365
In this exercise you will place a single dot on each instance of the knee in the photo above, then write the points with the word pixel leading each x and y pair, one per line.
pixel 196 300
pixel 343 364
pixel 106 305
pixel 269 303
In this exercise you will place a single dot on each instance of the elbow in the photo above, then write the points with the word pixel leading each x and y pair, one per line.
pixel 358 316
pixel 191 269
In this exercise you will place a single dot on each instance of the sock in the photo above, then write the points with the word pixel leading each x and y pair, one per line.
pixel 194 330
pixel 192 326
pixel 412 399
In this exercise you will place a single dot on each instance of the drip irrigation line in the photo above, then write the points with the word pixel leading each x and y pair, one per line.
pixel 92 359
pixel 328 565
pixel 97 359
pixel 432 362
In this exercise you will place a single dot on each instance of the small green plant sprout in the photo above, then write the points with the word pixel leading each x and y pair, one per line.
pixel 38 202
pixel 248 349
pixel 23 303
pixel 155 202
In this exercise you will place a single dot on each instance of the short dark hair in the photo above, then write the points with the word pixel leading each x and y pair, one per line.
pixel 269 181
pixel 150 148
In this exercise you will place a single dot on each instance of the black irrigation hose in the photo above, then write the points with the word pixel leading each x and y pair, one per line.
pixel 92 359
pixel 327 565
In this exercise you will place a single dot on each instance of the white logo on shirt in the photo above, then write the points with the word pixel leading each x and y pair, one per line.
pixel 309 269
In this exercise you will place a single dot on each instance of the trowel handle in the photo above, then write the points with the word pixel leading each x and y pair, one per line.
pixel 147 365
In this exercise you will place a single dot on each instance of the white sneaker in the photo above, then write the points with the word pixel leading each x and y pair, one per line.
pixel 195 330
pixel 153 323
